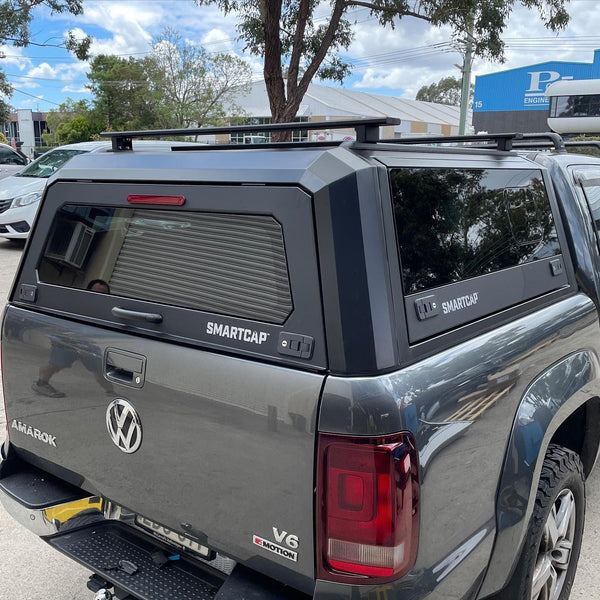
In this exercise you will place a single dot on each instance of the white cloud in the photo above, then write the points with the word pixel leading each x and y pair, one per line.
pixel 75 89
pixel 14 58
pixel 127 24
pixel 60 72
pixel 217 40
pixel 132 26
pixel 33 103
pixel 43 70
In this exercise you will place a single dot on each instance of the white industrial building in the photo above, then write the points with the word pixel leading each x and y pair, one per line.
pixel 322 103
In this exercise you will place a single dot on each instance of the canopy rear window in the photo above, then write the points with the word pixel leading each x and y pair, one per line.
pixel 230 264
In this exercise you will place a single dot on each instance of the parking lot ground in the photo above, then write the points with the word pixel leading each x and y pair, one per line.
pixel 31 570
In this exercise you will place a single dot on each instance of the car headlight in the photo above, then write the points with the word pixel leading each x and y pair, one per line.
pixel 26 199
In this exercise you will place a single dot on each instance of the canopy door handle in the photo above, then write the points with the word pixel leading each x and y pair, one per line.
pixel 134 315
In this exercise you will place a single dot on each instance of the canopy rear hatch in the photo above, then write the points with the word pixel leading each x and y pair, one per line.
pixel 164 350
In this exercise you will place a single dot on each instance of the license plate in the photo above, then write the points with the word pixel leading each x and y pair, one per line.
pixel 173 537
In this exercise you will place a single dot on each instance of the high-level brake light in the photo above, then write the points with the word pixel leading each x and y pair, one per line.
pixel 152 199
pixel 367 507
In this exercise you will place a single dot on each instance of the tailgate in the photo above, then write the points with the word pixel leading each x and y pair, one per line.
pixel 180 329
pixel 226 446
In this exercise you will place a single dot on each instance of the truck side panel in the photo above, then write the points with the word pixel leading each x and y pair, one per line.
pixel 464 402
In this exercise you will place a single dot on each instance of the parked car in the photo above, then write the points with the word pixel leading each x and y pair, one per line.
pixel 11 161
pixel 339 370
pixel 20 192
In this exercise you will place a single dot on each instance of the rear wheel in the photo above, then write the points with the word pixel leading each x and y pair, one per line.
pixel 548 562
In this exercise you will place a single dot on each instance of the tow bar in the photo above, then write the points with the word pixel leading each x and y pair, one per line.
pixel 101 589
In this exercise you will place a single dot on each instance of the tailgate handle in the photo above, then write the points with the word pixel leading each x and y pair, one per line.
pixel 134 315
pixel 125 367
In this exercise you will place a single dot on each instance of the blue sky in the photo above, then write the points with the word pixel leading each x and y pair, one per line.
pixel 392 62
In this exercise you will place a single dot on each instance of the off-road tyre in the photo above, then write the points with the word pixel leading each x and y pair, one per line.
pixel 561 481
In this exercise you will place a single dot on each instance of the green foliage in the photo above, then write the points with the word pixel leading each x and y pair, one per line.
pixel 59 119
pixel 6 92
pixel 3 139
pixel 190 86
pixel 445 91
pixel 178 85
pixel 16 17
pixel 77 130
pixel 123 95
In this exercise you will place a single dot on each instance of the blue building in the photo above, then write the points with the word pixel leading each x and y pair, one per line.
pixel 514 100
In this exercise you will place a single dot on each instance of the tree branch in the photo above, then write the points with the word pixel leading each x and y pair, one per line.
pixel 336 16
pixel 382 9
pixel 297 47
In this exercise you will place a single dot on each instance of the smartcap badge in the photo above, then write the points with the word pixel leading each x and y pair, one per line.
pixel 124 425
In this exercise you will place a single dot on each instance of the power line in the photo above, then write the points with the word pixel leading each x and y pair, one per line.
pixel 36 97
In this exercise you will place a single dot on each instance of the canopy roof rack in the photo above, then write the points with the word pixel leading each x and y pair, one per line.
pixel 367 130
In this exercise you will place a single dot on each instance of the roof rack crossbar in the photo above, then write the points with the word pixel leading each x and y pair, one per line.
pixel 503 141
pixel 367 130
pixel 551 138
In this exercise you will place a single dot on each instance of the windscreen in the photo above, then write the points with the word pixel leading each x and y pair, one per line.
pixel 50 162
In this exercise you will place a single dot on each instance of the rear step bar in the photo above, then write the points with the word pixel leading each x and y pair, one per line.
pixel 125 559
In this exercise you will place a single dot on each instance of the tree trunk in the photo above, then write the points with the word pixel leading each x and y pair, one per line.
pixel 271 15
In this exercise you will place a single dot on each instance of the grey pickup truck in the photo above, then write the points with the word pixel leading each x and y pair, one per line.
pixel 359 370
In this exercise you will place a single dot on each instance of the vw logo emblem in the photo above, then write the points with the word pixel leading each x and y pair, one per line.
pixel 124 425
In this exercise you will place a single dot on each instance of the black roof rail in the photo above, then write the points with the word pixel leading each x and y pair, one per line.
pixel 502 141
pixel 367 130
pixel 538 141
pixel 584 144
pixel 547 139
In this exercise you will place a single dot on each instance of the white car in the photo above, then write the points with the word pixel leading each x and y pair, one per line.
pixel 20 194
pixel 11 162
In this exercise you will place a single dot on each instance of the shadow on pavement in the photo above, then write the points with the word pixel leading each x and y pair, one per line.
pixel 12 245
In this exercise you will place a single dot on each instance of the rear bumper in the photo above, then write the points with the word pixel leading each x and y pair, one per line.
pixel 100 536
pixel 34 499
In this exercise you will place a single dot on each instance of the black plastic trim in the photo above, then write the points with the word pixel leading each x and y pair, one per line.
pixel 102 544
pixel 34 488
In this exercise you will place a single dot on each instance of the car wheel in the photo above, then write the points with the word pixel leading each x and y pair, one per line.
pixel 548 562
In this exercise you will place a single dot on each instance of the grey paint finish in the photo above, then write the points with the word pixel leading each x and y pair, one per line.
pixel 464 401
pixel 556 394
pixel 232 440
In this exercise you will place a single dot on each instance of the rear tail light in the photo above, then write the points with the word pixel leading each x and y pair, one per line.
pixel 367 507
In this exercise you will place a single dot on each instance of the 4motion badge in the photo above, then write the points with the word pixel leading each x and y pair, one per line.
pixel 282 537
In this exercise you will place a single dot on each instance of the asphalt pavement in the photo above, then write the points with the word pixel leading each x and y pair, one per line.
pixel 31 570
